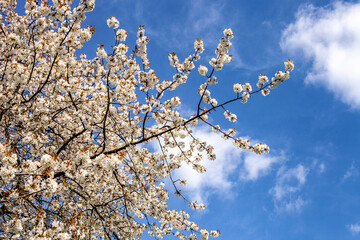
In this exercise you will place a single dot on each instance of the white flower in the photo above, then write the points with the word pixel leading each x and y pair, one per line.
pixel 192 237
pixel 212 62
pixel 212 80
pixel 247 87
pixel 262 79
pixel 182 182
pixel 52 185
pixel 213 102
pixel 12 38
pixel 282 76
pixel 245 96
pixel 18 226
pixel 101 53
pixel 238 88
pixel 46 161
pixel 215 234
pixel 227 58
pixel 204 234
pixel 64 236
pixel 199 45
pixel 233 118
pixel 228 33
pixel 260 148
pixel 173 59
pixel 175 101
pixel 227 114
pixel 112 22
pixel 289 65
pixel 265 92
pixel 121 49
pixel 202 70
pixel 183 133
pixel 121 35
pixel 215 129
pixel 85 35
pixel 286 75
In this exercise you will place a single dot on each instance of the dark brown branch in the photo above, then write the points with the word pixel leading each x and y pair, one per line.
pixel 46 81
pixel 69 140
pixel 145 139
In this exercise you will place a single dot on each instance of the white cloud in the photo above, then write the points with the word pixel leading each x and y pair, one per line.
pixel 354 228
pixel 318 167
pixel 330 37
pixel 288 183
pixel 294 206
pixel 222 174
pixel 352 171
pixel 257 165
pixel 321 168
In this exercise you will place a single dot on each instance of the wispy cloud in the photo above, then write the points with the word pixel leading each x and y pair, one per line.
pixel 286 190
pixel 329 37
pixel 321 168
pixel 293 206
pixel 255 165
pixel 354 228
pixel 351 172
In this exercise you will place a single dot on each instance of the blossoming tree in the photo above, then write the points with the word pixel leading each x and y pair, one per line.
pixel 74 132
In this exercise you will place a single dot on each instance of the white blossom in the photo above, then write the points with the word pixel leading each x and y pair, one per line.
pixel 101 53
pixel 175 101
pixel 212 80
pixel 199 46
pixel 213 102
pixel 204 234
pixel 121 35
pixel 215 234
pixel 238 88
pixel 202 70
pixel 262 80
pixel 265 92
pixel 247 87
pixel 289 65
pixel 245 96
pixel 232 118
pixel 112 22
pixel 228 33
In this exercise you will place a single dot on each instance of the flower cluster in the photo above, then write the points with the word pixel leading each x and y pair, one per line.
pixel 238 88
pixel 202 70
pixel 212 80
pixel 230 116
pixel 199 46
pixel 141 50
pixel 262 80
pixel 121 35
pixel 222 51
pixel 112 22
pixel 276 80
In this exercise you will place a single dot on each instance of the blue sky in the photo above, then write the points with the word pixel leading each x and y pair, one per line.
pixel 308 186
